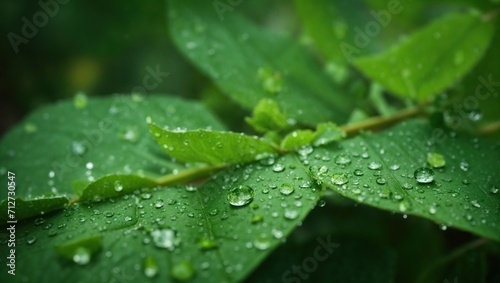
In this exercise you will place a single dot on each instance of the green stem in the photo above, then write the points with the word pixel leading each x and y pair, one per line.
pixel 450 257
pixel 489 129
pixel 378 122
pixel 189 175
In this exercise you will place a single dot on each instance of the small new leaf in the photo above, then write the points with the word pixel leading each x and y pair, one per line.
pixel 267 116
pixel 211 147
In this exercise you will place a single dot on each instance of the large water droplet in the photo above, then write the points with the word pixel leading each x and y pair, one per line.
pixel 118 186
pixel 494 189
pixel 286 189
pixel 291 214
pixel 183 271
pixel 435 160
pixel 464 165
pixel 358 172
pixel 278 168
pixel 339 179
pixel 342 159
pixel 150 267
pixel 262 242
pixel 424 175
pixel 374 165
pixel 240 196
pixel 165 238
pixel 82 256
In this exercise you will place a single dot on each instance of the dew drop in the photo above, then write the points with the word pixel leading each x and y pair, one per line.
pixel 424 175
pixel 464 165
pixel 240 196
pixel 475 203
pixel 381 181
pixel 118 186
pixel 89 165
pixel 278 168
pixel 31 240
pixel 394 167
pixel 262 242
pixel 339 179
pixel 407 186
pixel 358 172
pixel 150 267
pixel 159 203
pixel 432 210
pixel 321 203
pixel 165 238
pixel 494 189
pixel 374 165
pixel 78 148
pixel 286 189
pixel 39 221
pixel 291 214
pixel 81 256
pixel 342 159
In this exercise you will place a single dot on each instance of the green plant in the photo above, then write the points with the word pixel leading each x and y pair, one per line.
pixel 98 200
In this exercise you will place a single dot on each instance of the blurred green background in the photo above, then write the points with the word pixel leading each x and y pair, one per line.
pixel 101 48
pixel 98 48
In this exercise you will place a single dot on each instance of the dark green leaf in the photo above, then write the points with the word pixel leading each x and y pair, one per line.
pixel 379 170
pixel 60 143
pixel 23 209
pixel 166 229
pixel 249 63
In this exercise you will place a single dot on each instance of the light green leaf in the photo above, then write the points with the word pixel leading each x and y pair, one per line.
pixel 379 170
pixel 154 234
pixel 267 116
pixel 115 185
pixel 210 146
pixel 248 63
pixel 325 133
pixel 59 144
pixel 449 55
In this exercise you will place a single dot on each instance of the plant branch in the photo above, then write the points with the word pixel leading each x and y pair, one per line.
pixel 489 129
pixel 378 122
pixel 189 175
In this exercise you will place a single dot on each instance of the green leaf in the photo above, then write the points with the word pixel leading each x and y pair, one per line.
pixel 23 209
pixel 267 116
pixel 211 147
pixel 161 232
pixel 249 63
pixel 115 185
pixel 379 170
pixel 105 136
pixel 325 133
pixel 448 56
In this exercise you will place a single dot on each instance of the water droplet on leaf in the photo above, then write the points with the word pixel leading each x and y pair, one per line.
pixel 240 196
pixel 424 175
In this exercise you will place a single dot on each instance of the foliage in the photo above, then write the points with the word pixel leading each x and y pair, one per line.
pixel 365 158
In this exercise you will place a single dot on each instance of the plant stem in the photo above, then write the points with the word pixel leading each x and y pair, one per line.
pixel 189 175
pixel 377 122
pixel 489 129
